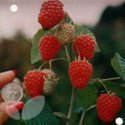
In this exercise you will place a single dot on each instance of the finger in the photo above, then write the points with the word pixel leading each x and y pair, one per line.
pixel 6 77
pixel 8 108
pixel 3 114
pixel 1 99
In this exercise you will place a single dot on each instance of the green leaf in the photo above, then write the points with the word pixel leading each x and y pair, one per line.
pixel 14 122
pixel 46 117
pixel 84 30
pixel 35 55
pixel 118 63
pixel 87 97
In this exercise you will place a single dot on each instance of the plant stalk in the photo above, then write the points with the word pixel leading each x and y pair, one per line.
pixel 82 117
pixel 72 102
pixel 107 79
pixel 84 112
pixel 73 96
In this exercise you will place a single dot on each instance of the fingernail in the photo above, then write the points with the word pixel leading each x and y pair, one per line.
pixel 14 71
pixel 15 107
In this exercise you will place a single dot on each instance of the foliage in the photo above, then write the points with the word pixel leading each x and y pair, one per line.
pixel 87 97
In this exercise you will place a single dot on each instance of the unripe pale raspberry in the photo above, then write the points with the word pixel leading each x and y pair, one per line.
pixel 65 33
pixel 49 87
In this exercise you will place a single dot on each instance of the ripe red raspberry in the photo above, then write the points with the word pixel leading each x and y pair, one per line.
pixel 51 13
pixel 49 46
pixel 84 45
pixel 80 73
pixel 34 81
pixel 108 106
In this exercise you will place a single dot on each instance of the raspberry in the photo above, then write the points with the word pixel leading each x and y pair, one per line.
pixel 84 45
pixel 65 33
pixel 108 106
pixel 34 81
pixel 51 13
pixel 80 73
pixel 49 87
pixel 49 46
pixel 50 81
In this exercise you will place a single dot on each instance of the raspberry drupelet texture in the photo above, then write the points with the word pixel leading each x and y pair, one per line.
pixel 49 46
pixel 108 106
pixel 80 73
pixel 84 45
pixel 65 33
pixel 34 81
pixel 51 13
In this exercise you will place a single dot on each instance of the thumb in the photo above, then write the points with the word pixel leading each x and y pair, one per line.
pixel 12 107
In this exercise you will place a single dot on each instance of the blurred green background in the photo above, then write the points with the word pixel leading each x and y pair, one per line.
pixel 110 36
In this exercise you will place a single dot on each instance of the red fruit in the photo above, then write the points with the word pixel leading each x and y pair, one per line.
pixel 49 46
pixel 51 13
pixel 34 81
pixel 84 45
pixel 80 73
pixel 108 106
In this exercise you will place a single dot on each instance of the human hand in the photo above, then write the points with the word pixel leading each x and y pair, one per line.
pixel 5 78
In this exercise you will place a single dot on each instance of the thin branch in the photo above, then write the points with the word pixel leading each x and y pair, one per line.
pixel 84 112
pixel 100 81
pixel 72 102
pixel 67 54
pixel 90 108
pixel 50 65
pixel 82 117
pixel 107 79
pixel 57 59
pixel 73 96
pixel 61 115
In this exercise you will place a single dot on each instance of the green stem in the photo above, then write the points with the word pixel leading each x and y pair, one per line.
pixel 107 79
pixel 84 112
pixel 50 65
pixel 67 54
pixel 73 96
pixel 72 102
pixel 61 115
pixel 52 61
pixel 100 81
pixel 82 117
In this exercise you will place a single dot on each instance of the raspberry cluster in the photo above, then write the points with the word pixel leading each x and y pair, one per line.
pixel 80 69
